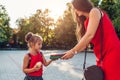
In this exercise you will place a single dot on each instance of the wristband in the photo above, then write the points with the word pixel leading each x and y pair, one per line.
pixel 73 52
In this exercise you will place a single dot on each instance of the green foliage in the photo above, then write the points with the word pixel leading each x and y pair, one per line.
pixel 116 20
pixel 5 30
pixel 60 35
pixel 39 23
pixel 95 2
pixel 65 30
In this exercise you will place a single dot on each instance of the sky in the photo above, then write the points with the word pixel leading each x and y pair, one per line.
pixel 24 8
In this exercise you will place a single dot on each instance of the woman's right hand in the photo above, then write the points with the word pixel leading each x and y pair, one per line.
pixel 69 54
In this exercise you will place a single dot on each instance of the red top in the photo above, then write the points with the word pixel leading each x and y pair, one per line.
pixel 111 48
pixel 109 36
pixel 34 60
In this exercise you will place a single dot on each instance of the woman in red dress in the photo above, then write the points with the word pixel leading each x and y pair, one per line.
pixel 88 30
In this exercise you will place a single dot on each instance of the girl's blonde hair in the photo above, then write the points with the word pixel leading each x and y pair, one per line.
pixel 85 6
pixel 32 39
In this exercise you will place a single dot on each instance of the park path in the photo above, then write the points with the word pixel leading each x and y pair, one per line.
pixel 11 66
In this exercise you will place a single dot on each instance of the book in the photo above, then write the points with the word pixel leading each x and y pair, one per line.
pixel 56 56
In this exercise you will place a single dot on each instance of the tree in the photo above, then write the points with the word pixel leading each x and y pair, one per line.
pixel 116 20
pixel 5 30
pixel 65 30
pixel 39 23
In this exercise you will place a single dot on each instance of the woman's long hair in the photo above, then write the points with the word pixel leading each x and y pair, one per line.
pixel 85 6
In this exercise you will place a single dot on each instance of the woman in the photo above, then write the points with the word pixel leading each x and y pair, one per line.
pixel 89 31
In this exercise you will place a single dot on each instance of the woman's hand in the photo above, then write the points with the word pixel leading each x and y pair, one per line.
pixel 69 54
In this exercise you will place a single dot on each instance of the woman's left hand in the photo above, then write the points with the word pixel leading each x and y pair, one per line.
pixel 69 54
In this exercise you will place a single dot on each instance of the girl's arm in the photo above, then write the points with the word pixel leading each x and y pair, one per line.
pixel 46 63
pixel 94 18
pixel 25 65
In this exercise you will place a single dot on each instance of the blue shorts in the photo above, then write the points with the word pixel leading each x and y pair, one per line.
pixel 33 77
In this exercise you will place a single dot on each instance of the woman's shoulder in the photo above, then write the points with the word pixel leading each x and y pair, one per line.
pixel 96 12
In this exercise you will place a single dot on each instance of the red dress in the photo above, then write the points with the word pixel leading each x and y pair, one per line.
pixel 111 48
pixel 34 60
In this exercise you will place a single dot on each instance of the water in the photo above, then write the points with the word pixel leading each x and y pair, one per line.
pixel 11 65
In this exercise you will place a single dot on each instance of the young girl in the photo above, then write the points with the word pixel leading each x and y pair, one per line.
pixel 33 61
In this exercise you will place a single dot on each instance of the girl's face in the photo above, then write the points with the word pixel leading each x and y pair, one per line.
pixel 38 46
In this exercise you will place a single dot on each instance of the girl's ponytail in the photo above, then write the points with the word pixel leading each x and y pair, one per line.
pixel 28 36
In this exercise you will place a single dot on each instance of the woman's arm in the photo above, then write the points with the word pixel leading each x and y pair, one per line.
pixel 94 18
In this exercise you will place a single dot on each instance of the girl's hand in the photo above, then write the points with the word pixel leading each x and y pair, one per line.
pixel 69 54
pixel 36 68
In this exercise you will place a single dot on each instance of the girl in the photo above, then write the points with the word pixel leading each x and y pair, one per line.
pixel 32 63
pixel 88 30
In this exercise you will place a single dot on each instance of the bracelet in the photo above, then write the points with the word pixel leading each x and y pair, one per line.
pixel 74 53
